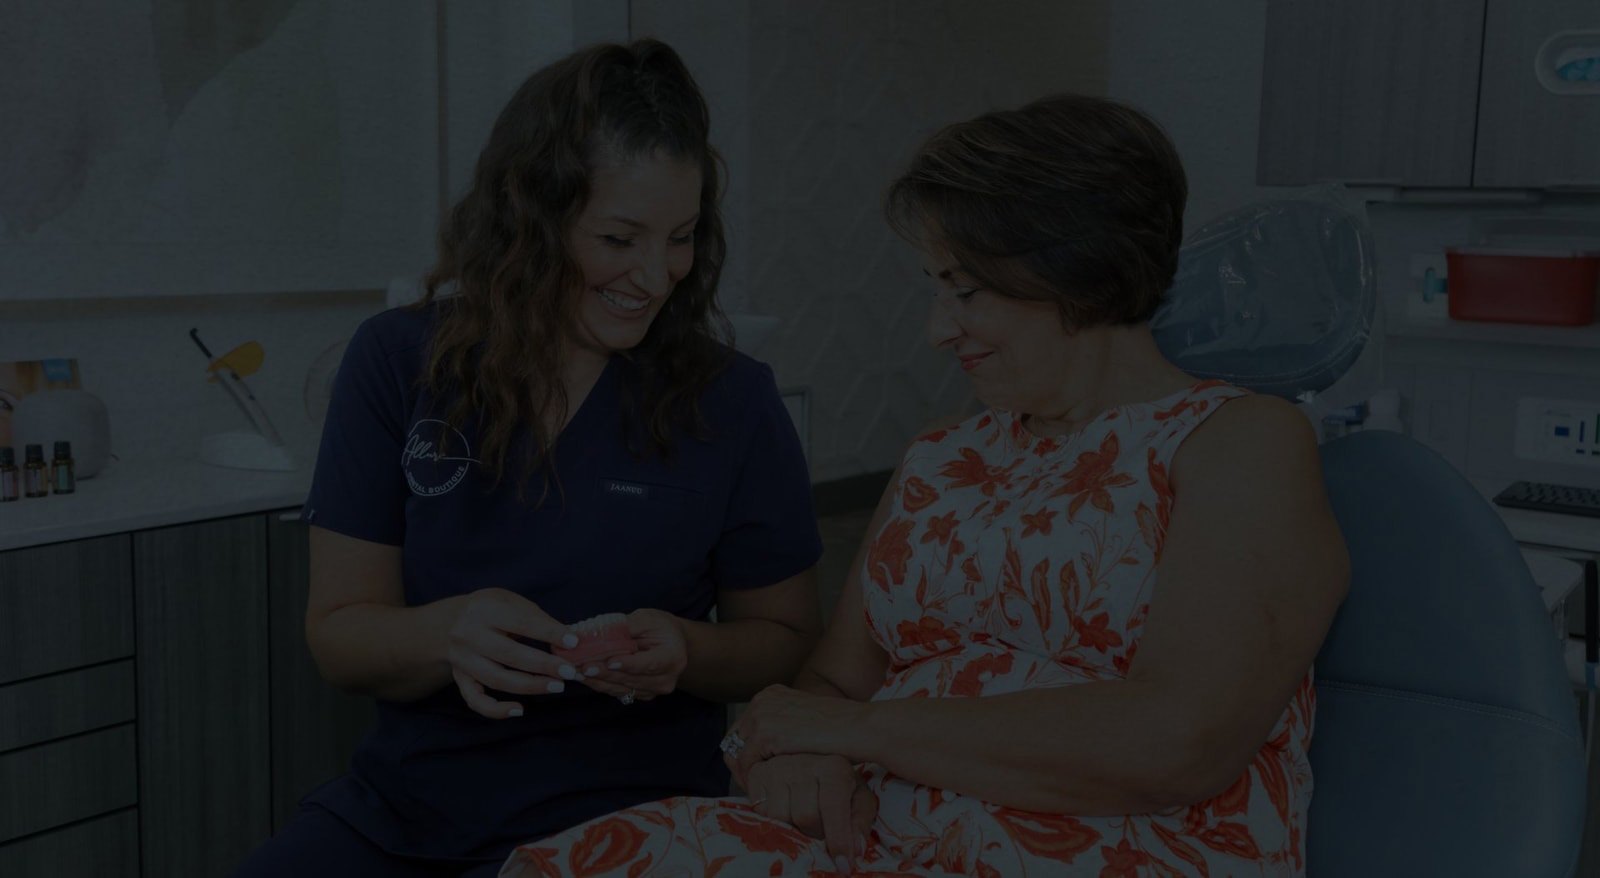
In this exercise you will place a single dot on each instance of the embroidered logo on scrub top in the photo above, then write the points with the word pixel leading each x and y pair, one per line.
pixel 436 458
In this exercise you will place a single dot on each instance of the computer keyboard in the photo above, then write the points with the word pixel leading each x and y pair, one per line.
pixel 1544 497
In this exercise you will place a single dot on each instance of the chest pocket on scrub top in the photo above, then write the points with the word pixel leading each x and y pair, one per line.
pixel 654 526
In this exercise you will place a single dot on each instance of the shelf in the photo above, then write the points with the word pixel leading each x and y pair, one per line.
pixel 1582 337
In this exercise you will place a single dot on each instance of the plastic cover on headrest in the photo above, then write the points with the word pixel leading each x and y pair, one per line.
pixel 1277 297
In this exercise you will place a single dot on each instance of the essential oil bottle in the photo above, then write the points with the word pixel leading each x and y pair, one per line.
pixel 35 479
pixel 10 489
pixel 62 480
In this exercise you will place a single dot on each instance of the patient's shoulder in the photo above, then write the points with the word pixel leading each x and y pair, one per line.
pixel 1255 433
pixel 935 431
pixel 1255 417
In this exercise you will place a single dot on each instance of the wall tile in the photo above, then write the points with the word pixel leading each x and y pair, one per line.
pixel 839 95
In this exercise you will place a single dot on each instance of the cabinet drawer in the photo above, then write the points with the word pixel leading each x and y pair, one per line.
pixel 52 784
pixel 46 708
pixel 105 847
pixel 65 606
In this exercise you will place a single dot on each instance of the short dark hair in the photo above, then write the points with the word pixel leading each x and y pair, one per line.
pixel 1071 199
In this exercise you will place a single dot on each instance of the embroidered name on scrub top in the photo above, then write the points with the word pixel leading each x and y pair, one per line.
pixel 629 489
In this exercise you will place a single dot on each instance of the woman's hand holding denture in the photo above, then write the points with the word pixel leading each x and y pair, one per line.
pixel 484 652
pixel 658 656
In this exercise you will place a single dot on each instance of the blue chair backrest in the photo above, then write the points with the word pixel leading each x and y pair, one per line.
pixel 1446 738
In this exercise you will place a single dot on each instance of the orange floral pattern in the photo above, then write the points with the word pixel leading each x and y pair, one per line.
pixel 1010 563
pixel 916 495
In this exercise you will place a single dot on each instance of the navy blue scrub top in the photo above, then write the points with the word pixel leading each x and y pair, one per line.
pixel 620 533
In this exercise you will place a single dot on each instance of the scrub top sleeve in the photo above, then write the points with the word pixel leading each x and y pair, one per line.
pixel 359 487
pixel 770 533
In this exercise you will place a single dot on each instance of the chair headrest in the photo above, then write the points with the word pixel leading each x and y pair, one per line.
pixel 1277 297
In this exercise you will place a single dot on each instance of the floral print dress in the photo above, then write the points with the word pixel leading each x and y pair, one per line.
pixel 1006 562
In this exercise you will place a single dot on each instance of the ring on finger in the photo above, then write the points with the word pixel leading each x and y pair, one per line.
pixel 628 698
pixel 731 745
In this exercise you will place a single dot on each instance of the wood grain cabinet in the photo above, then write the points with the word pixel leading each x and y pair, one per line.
pixel 1529 136
pixel 105 847
pixel 65 606
pixel 204 786
pixel 1427 93
pixel 1370 91
pixel 68 749
pixel 315 727
pixel 160 714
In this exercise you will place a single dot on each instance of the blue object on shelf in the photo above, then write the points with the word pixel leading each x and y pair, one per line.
pixel 1579 70
pixel 1433 285
pixel 57 369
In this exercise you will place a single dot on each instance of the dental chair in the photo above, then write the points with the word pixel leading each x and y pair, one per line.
pixel 1446 738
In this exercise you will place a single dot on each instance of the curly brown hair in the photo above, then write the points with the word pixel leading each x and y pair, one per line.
pixel 1069 199
pixel 503 249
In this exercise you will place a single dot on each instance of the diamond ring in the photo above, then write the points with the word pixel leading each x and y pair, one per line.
pixel 731 745
pixel 627 699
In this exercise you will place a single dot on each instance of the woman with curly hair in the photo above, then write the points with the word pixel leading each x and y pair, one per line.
pixel 557 431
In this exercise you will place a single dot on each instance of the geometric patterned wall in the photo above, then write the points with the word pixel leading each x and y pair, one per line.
pixel 817 106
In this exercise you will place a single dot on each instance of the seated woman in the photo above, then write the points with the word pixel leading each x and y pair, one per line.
pixel 1079 639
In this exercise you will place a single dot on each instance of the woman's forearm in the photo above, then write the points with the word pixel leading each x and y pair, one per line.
pixel 810 680
pixel 388 652
pixel 1092 749
pixel 733 660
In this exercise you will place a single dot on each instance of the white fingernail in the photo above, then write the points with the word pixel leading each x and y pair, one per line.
pixel 615 666
pixel 591 671
pixel 568 672
pixel 516 711
pixel 569 640
pixel 556 686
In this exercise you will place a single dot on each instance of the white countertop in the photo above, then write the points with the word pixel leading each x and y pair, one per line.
pixel 1576 533
pixel 1556 577
pixel 133 495
pixel 137 494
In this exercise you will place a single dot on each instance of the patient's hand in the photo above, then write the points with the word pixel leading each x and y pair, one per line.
pixel 782 720
pixel 822 796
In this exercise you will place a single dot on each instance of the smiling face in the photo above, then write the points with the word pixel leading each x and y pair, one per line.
pixel 1015 351
pixel 633 242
